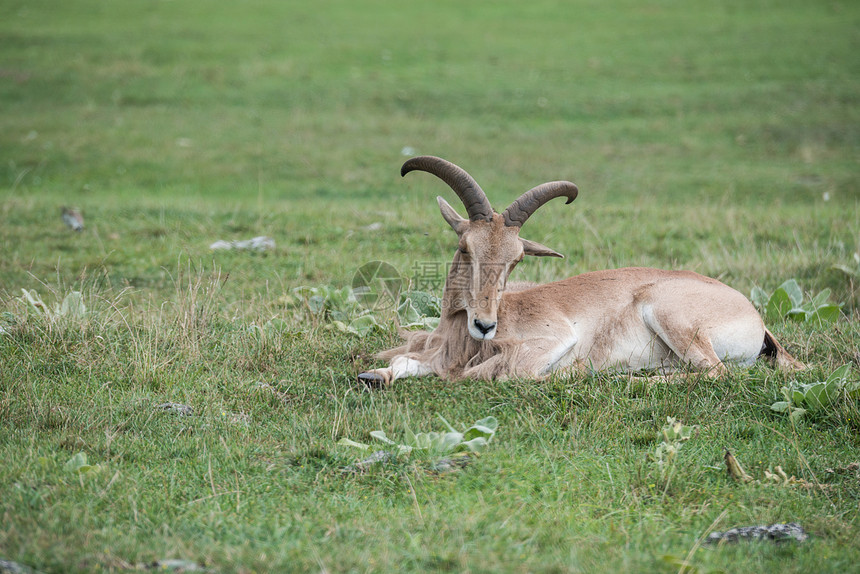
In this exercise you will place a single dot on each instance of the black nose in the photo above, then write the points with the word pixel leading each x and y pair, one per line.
pixel 484 328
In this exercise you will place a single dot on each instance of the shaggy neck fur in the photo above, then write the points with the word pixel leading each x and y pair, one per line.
pixel 449 350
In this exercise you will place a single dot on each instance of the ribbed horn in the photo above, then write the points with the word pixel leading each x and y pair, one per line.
pixel 467 189
pixel 523 207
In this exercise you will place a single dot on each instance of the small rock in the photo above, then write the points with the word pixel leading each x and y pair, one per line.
pixel 259 243
pixel 73 218
pixel 174 565
pixel 9 567
pixel 177 408
pixel 221 245
pixel 451 463
pixel 772 533
pixel 375 458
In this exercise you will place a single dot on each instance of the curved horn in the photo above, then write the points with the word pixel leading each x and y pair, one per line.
pixel 523 207
pixel 467 189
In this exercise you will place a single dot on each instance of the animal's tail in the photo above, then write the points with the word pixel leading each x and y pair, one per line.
pixel 771 349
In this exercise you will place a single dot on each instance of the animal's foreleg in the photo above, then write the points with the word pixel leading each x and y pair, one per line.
pixel 399 368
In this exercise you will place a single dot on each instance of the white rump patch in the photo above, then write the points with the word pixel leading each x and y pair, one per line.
pixel 739 343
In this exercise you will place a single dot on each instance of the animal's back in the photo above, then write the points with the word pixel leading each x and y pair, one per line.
pixel 632 284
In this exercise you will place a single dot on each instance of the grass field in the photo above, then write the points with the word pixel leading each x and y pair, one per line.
pixel 722 137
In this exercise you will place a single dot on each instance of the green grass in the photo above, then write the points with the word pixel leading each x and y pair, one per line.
pixel 715 136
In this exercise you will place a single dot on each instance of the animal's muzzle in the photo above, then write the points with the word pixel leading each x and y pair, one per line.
pixel 484 328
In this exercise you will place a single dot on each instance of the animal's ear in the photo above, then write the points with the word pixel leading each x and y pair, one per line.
pixel 453 218
pixel 538 250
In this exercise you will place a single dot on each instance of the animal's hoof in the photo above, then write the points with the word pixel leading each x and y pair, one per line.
pixel 374 380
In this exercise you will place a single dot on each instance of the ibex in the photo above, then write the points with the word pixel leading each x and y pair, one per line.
pixel 633 319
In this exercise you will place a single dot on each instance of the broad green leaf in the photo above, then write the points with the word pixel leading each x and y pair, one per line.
pixel 338 315
pixel 794 292
pixel 73 306
pixel 817 396
pixel 798 397
pixel 797 314
pixel 423 441
pixel 426 304
pixel 840 374
pixel 408 314
pixel 831 393
pixel 780 406
pixel 477 444
pixel 778 305
pixel 759 297
pixel 476 431
pixel 35 300
pixel 316 304
pixel 338 299
pixel 337 325
pixel 825 315
pixel 347 442
pixel 303 291
pixel 363 325
pixel 489 422
pixel 409 436
pixel 796 414
pixel 78 463
pixel 428 323
pixel 821 298
pixel 446 423
pixel 449 441
pixel 381 437
pixel 419 309
pixel 676 431
pixel 434 438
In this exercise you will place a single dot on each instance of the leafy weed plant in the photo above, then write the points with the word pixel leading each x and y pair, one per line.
pixel 786 302
pixel 672 437
pixel 699 137
pixel 818 397
pixel 472 439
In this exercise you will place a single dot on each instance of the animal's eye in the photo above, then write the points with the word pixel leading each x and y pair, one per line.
pixel 463 251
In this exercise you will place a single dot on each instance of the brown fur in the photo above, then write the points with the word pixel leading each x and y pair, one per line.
pixel 451 353
pixel 630 319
